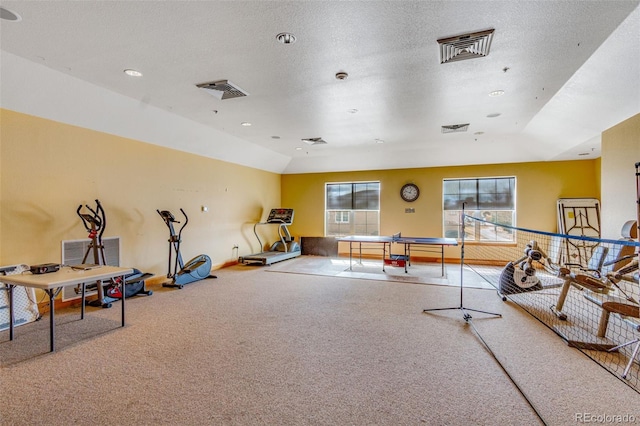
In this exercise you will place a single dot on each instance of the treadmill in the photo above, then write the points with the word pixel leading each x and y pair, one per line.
pixel 281 250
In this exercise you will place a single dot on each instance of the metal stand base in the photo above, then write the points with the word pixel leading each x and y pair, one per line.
pixel 465 315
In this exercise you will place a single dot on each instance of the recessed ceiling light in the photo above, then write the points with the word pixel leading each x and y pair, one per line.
pixel 286 38
pixel 479 133
pixel 133 73
pixel 275 137
pixel 342 75
pixel 496 93
pixel 298 148
pixel 584 153
pixel 494 115
pixel 245 124
pixel 379 141
pixel 352 110
pixel 7 15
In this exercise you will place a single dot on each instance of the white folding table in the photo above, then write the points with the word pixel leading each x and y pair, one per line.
pixel 52 283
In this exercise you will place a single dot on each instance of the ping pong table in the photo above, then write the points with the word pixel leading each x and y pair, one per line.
pixel 425 244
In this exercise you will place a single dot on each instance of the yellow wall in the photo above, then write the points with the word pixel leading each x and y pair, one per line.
pixel 620 152
pixel 539 185
pixel 49 168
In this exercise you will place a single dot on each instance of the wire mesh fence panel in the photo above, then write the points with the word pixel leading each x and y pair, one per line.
pixel 25 308
pixel 592 303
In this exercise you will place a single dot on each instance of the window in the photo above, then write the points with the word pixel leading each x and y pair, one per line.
pixel 342 217
pixel 352 209
pixel 490 199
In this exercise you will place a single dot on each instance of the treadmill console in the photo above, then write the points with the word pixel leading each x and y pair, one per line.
pixel 281 216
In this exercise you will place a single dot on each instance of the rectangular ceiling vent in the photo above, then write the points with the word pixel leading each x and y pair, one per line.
pixel 314 141
pixel 455 128
pixel 222 89
pixel 465 46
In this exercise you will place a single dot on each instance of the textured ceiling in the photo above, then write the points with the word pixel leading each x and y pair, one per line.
pixel 568 69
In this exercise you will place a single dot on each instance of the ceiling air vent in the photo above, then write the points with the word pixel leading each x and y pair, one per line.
pixel 222 89
pixel 314 141
pixel 453 128
pixel 465 46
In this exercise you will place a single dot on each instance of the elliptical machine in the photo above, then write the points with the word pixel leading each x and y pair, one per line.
pixel 196 269
pixel 96 223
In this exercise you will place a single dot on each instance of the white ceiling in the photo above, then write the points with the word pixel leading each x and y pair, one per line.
pixel 569 70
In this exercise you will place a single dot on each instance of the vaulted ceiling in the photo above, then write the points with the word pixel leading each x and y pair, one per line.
pixel 566 70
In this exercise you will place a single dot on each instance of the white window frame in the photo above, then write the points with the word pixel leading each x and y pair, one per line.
pixel 479 231
pixel 351 213
pixel 342 216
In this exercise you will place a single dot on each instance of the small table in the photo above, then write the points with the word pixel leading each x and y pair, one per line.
pixel 53 282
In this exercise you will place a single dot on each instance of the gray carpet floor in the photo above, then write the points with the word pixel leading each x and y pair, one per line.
pixel 255 347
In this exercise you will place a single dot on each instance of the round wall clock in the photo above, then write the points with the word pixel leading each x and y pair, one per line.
pixel 410 192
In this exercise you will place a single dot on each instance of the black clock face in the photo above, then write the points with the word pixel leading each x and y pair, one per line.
pixel 410 192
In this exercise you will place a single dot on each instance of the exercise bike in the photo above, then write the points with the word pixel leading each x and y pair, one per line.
pixel 196 269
